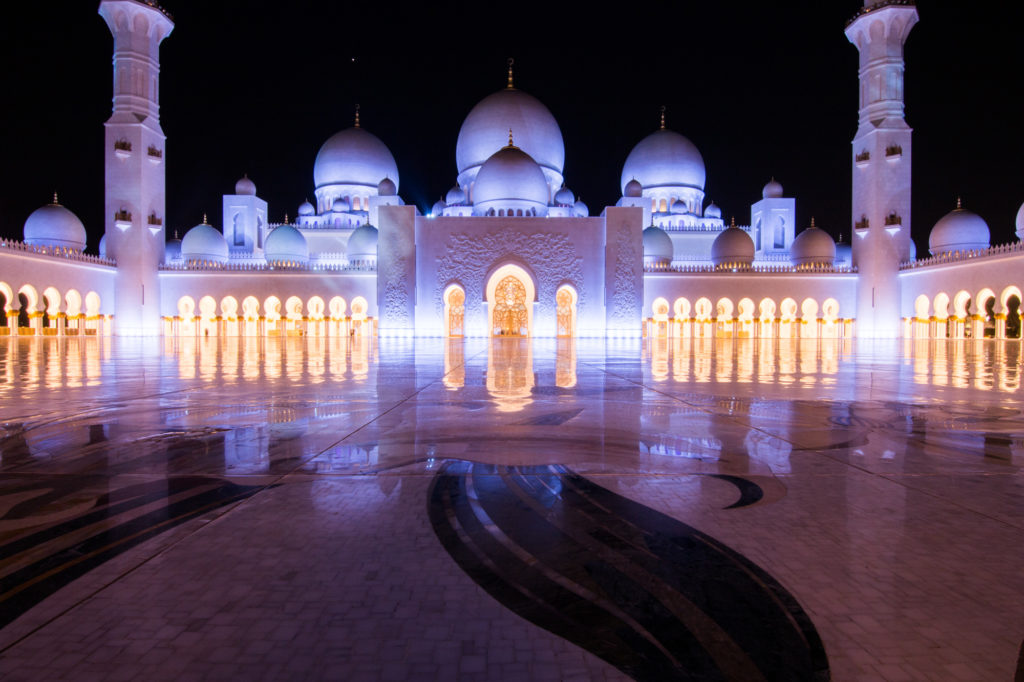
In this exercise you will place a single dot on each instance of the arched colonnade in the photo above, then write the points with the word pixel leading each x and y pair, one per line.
pixel 988 313
pixel 51 312
pixel 271 317
pixel 786 319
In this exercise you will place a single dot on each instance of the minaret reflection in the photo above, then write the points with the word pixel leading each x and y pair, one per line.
pixel 510 378
pixel 659 358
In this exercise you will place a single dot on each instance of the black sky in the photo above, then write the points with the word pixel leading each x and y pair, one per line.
pixel 765 89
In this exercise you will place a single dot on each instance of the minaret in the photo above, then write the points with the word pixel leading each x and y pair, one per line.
pixel 134 162
pixel 881 163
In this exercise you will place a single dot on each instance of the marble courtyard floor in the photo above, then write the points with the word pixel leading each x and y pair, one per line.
pixel 530 510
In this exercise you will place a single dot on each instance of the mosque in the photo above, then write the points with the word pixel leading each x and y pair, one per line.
pixel 510 250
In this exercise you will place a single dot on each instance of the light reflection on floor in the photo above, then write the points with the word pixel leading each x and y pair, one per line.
pixel 891 473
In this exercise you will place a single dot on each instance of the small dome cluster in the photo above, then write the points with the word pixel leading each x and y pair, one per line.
pixel 54 226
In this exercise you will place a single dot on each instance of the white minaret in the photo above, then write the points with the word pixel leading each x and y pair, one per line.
pixel 881 164
pixel 134 163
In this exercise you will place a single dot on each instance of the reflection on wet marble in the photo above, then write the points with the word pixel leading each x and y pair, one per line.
pixel 258 507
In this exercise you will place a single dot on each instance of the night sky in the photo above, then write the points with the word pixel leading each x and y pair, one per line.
pixel 766 89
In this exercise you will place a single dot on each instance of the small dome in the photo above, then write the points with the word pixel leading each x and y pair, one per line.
pixel 658 248
pixel 633 188
pixel 438 208
pixel 564 197
pixel 1020 222
pixel 455 197
pixel 306 208
pixel 664 159
pixel 54 226
pixel 510 178
pixel 773 190
pixel 354 157
pixel 340 205
pixel 387 188
pixel 485 131
pixel 285 244
pixel 958 230
pixel 733 246
pixel 679 208
pixel 580 209
pixel 362 244
pixel 204 243
pixel 712 211
pixel 245 186
pixel 172 250
pixel 813 246
pixel 103 247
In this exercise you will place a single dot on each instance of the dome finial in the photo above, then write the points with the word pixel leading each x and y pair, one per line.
pixel 55 202
pixel 510 142
pixel 732 222
pixel 204 220
pixel 357 115
pixel 662 116
pixel 286 221
pixel 510 85
pixel 812 222
pixel 958 206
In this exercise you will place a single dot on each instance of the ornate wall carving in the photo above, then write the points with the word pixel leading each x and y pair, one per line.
pixel 467 258
pixel 627 296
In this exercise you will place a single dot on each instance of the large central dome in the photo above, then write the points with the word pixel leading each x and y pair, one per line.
pixel 354 157
pixel 485 131
pixel 664 159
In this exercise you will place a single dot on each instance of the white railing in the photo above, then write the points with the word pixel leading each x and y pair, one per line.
pixel 208 266
pixel 54 252
pixel 759 269
pixel 960 256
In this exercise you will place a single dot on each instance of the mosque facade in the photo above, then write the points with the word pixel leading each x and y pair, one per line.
pixel 510 250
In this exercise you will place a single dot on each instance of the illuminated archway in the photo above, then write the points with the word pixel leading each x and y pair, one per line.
pixel 454 310
pixel 565 310
pixel 510 294
pixel 983 322
pixel 186 315
pixel 271 316
pixel 745 315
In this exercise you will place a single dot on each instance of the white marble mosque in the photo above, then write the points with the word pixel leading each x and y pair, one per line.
pixel 510 250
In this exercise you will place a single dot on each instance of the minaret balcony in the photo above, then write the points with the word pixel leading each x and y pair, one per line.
pixel 893 152
pixel 122 220
pixel 154 154
pixel 862 159
pixel 122 149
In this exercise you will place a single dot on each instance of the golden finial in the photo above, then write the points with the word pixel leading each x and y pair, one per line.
pixel 204 220
pixel 958 206
pixel 812 222
pixel 357 116
pixel 286 221
pixel 662 116
pixel 510 142
pixel 511 61
pixel 732 222
pixel 55 202
pixel 176 234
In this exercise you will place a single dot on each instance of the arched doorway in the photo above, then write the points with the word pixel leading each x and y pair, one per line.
pixel 565 311
pixel 455 311
pixel 510 296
